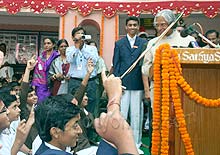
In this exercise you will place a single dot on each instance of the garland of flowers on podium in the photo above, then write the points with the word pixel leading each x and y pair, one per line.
pixel 169 77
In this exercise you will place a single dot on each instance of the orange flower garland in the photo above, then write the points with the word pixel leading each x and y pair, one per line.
pixel 116 27
pixel 164 150
pixel 170 77
pixel 187 88
pixel 170 68
pixel 177 105
pixel 156 106
pixel 195 96
pixel 63 27
pixel 75 21
pixel 102 35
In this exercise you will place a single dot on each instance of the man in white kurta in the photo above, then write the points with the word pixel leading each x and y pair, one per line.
pixel 161 21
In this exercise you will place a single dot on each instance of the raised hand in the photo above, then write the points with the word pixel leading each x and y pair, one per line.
pixel 31 118
pixel 31 63
pixel 23 130
pixel 90 65
pixel 112 127
pixel 112 87
pixel 20 138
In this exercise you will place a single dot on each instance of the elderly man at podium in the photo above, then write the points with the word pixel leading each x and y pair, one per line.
pixel 161 22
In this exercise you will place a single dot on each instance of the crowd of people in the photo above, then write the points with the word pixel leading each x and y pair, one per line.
pixel 55 108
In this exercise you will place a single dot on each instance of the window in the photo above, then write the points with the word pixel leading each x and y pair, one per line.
pixel 21 46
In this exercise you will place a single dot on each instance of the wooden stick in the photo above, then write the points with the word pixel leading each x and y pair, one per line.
pixel 147 50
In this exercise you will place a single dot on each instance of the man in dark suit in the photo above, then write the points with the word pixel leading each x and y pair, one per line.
pixel 126 51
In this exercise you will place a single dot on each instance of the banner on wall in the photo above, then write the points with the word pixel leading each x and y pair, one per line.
pixel 110 8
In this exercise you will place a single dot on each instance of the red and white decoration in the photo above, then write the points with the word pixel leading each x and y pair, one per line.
pixel 109 9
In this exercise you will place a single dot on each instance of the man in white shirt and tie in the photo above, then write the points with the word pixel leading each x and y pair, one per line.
pixel 126 51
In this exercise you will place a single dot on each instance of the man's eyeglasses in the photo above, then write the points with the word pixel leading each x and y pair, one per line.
pixel 4 109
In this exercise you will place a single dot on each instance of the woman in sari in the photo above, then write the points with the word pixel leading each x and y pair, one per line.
pixel 42 68
pixel 59 68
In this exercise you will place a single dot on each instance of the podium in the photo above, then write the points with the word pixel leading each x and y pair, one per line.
pixel 201 69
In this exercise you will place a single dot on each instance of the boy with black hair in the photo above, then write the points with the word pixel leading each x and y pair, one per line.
pixel 12 103
pixel 4 120
pixel 57 124
pixel 7 137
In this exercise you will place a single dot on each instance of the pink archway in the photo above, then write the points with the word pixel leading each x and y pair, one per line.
pixel 90 22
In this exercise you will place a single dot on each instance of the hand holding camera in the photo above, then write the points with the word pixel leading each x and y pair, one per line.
pixel 82 37
pixel 86 37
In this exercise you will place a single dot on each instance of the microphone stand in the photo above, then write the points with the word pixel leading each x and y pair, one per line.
pixel 147 50
pixel 202 36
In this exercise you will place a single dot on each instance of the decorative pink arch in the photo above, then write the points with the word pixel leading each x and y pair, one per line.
pixel 90 22
pixel 109 9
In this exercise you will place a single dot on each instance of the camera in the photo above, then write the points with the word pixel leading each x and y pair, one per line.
pixel 86 37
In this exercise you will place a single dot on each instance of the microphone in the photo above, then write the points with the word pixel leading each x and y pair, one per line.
pixel 188 30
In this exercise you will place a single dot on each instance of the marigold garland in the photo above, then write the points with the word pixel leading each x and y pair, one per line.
pixel 75 21
pixel 170 77
pixel 156 106
pixel 160 134
pixel 164 150
pixel 194 95
pixel 177 105
pixel 189 91
pixel 116 27
pixel 102 35
pixel 63 27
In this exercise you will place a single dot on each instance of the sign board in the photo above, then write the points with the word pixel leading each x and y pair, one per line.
pixel 199 55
